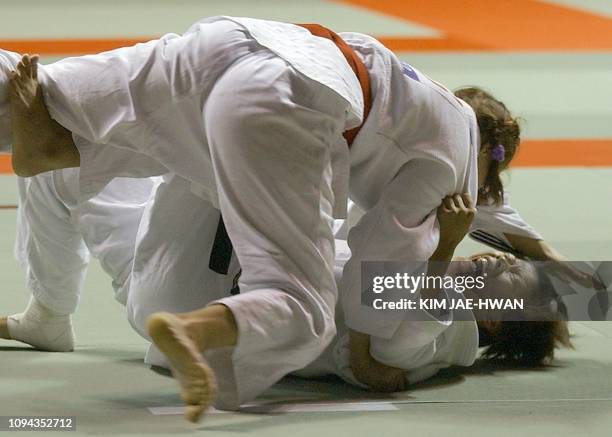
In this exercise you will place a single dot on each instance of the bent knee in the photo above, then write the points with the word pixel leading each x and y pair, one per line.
pixel 137 317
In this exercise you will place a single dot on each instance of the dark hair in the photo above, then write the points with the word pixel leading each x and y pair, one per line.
pixel 497 126
pixel 529 343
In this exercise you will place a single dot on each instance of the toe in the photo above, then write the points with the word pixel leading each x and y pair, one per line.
pixel 34 66
pixel 193 396
pixel 28 63
pixel 4 333
pixel 193 413
pixel 13 81
pixel 21 67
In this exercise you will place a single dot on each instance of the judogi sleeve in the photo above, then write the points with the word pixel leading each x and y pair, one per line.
pixel 412 348
pixel 97 171
pixel 493 222
pixel 401 227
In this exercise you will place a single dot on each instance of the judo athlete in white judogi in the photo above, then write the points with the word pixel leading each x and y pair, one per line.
pixel 56 236
pixel 252 113
pixel 170 274
pixel 421 348
pixel 202 94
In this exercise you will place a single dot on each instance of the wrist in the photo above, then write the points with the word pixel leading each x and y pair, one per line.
pixel 444 251
pixel 449 242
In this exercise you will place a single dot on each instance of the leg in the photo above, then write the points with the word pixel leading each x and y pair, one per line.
pixel 40 144
pixel 183 338
pixel 170 271
pixel 55 259
pixel 270 151
pixel 109 223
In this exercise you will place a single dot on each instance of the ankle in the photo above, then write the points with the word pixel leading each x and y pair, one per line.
pixel 55 150
pixel 197 331
pixel 39 309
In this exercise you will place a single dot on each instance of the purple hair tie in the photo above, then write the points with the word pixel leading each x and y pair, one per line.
pixel 499 153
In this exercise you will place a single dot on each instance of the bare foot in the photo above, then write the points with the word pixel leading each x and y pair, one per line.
pixel 196 378
pixel 39 142
pixel 4 333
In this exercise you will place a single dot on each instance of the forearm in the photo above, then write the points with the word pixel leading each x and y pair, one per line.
pixel 534 248
pixel 370 372
pixel 438 264
pixel 361 361
pixel 359 346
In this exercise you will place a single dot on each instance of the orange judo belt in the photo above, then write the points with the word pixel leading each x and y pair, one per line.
pixel 221 253
pixel 356 64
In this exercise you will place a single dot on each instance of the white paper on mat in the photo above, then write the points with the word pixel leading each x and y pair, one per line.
pixel 334 407
pixel 287 408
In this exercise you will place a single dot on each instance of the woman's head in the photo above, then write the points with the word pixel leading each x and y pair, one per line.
pixel 500 135
pixel 529 342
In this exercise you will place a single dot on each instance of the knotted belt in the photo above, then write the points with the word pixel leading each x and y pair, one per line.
pixel 221 253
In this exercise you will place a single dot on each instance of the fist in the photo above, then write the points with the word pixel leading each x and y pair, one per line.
pixel 455 215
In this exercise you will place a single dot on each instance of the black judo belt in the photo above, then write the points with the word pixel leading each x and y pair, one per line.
pixel 221 255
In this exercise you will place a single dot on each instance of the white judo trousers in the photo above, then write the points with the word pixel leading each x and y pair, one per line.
pixel 279 329
pixel 276 199
pixel 56 235
pixel 171 262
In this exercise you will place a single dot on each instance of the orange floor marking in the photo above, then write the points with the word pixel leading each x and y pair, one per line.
pixel 5 164
pixel 467 25
pixel 524 25
pixel 564 153
pixel 67 46
pixel 532 153
pixel 445 44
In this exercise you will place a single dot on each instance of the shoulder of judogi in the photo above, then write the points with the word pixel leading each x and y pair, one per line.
pixel 414 346
pixel 423 117
pixel 459 346
pixel 456 346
